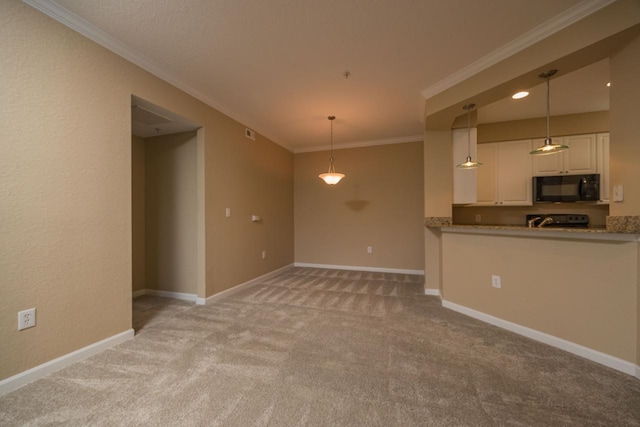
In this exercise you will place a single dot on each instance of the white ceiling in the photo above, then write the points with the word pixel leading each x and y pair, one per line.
pixel 277 65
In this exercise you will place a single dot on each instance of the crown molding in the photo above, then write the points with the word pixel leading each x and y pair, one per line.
pixel 73 21
pixel 359 144
pixel 557 23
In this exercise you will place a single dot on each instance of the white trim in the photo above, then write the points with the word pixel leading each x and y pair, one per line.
pixel 16 381
pixel 138 293
pixel 358 144
pixel 169 294
pixel 241 286
pixel 359 268
pixel 638 372
pixel 76 23
pixel 577 349
pixel 432 292
pixel 541 32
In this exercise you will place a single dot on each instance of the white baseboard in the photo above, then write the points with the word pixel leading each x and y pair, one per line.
pixel 139 293
pixel 638 372
pixel 16 381
pixel 432 292
pixel 241 286
pixel 166 294
pixel 577 349
pixel 358 268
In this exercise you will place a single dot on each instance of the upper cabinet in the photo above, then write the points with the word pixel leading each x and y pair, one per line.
pixel 505 177
pixel 580 158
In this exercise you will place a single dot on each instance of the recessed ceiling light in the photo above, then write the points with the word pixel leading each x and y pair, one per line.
pixel 520 95
pixel 608 84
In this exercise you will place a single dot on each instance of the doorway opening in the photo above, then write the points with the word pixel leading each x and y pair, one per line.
pixel 167 180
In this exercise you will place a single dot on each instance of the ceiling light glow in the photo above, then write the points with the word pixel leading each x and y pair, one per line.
pixel 520 95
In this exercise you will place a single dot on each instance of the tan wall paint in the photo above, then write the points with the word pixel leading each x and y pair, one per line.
pixel 625 140
pixel 625 127
pixel 551 285
pixel 65 161
pixel 438 181
pixel 171 213
pixel 138 213
pixel 569 124
pixel 438 198
pixel 378 204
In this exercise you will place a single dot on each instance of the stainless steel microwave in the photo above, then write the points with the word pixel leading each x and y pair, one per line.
pixel 566 188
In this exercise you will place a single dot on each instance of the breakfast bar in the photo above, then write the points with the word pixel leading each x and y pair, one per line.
pixel 574 288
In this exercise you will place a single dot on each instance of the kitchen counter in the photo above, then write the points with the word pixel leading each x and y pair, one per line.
pixel 593 233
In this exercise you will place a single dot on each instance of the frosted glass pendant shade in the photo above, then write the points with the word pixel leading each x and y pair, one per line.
pixel 469 164
pixel 331 178
pixel 548 148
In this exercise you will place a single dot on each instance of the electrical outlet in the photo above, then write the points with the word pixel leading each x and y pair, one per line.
pixel 369 249
pixel 264 254
pixel 227 212
pixel 495 281
pixel 478 217
pixel 26 319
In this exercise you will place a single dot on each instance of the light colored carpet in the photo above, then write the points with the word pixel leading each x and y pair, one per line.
pixel 319 348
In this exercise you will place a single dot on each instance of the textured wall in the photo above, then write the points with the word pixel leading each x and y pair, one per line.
pixel 378 204
pixel 625 127
pixel 171 213
pixel 138 275
pixel 66 186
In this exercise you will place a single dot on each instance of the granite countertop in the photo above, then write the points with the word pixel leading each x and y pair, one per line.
pixel 626 225
pixel 525 228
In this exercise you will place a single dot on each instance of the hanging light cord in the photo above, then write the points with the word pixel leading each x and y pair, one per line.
pixel 548 138
pixel 469 130
pixel 331 168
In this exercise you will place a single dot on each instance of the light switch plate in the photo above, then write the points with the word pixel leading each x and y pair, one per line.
pixel 618 193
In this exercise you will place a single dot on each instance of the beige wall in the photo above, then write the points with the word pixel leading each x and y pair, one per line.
pixel 625 127
pixel 438 199
pixel 378 204
pixel 138 275
pixel 582 291
pixel 66 160
pixel 625 140
pixel 569 124
pixel 171 213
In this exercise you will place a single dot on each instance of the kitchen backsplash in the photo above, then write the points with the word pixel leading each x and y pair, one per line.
pixel 515 215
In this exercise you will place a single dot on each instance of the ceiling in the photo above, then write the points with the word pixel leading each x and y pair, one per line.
pixel 277 65
pixel 580 91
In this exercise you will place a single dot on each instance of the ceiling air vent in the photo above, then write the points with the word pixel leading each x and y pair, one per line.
pixel 147 117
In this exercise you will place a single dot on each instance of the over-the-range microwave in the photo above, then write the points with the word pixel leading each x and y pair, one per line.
pixel 566 188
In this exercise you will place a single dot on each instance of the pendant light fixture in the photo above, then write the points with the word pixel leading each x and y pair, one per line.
pixel 549 147
pixel 469 164
pixel 331 177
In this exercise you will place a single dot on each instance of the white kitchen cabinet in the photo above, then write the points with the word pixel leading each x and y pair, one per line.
pixel 505 177
pixel 580 158
pixel 602 165
pixel 465 181
pixel 488 174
